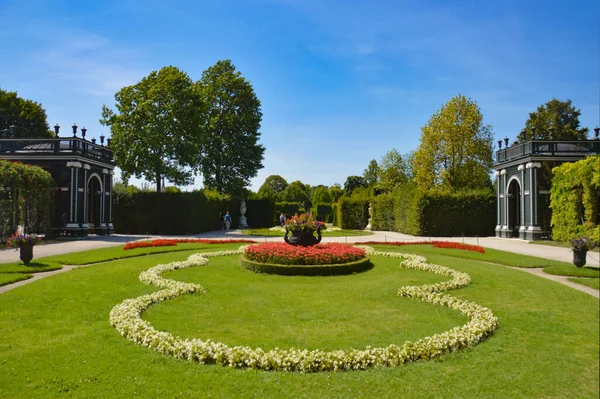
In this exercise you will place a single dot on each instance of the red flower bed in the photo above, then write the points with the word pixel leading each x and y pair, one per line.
pixel 323 254
pixel 170 242
pixel 437 244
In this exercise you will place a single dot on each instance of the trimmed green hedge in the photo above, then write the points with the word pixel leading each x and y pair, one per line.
pixel 182 213
pixel 352 213
pixel 574 200
pixel 308 270
pixel 382 212
pixel 469 213
pixel 324 212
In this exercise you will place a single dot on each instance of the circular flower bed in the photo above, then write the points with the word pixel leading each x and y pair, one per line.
pixel 322 259
pixel 126 318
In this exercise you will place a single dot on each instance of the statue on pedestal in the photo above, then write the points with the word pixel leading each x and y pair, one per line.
pixel 243 223
pixel 369 222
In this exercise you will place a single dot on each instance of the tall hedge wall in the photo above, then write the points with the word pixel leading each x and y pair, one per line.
pixel 574 199
pixel 406 199
pixel 352 213
pixel 454 214
pixel 382 212
pixel 182 213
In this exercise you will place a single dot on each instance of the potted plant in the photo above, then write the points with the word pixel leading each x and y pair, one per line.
pixel 302 229
pixel 580 246
pixel 25 243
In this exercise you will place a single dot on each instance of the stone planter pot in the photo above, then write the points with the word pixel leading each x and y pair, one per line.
pixel 26 253
pixel 579 256
pixel 302 238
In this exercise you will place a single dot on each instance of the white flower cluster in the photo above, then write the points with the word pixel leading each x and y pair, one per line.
pixel 126 318
pixel 278 228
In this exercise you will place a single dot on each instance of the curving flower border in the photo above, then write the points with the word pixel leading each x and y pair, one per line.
pixel 127 320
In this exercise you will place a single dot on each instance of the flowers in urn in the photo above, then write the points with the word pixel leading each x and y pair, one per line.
pixel 582 244
pixel 18 240
pixel 304 222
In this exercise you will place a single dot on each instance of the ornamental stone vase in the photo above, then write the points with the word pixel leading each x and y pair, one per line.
pixel 579 256
pixel 26 253
pixel 303 238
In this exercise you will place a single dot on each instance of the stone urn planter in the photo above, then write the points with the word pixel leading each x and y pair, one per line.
pixel 26 252
pixel 303 238
pixel 579 257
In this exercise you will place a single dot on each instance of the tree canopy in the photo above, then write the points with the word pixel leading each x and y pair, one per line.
pixel 561 116
pixel 231 155
pixel 156 131
pixel 321 195
pixel 27 116
pixel 296 192
pixel 371 174
pixel 167 126
pixel 393 170
pixel 273 188
pixel 354 182
pixel 456 148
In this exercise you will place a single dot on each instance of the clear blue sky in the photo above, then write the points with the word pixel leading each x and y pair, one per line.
pixel 341 82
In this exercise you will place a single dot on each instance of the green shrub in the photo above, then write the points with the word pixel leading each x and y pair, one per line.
pixel 574 200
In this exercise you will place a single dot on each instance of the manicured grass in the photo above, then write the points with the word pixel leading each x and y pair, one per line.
pixel 572 270
pixel 588 282
pixel 490 255
pixel 36 266
pixel 57 342
pixel 12 278
pixel 17 271
pixel 551 243
pixel 265 232
pixel 112 253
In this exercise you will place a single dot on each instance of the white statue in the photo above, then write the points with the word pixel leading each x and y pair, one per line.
pixel 243 223
pixel 369 222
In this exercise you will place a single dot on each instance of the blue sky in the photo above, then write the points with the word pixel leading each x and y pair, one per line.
pixel 341 82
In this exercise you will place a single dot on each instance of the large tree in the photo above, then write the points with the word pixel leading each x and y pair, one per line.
pixel 456 148
pixel 296 192
pixel 371 174
pixel 393 171
pixel 321 195
pixel 157 129
pixel 354 182
pixel 231 155
pixel 561 116
pixel 28 117
pixel 273 188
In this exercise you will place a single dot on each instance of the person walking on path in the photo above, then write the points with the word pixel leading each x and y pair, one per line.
pixel 227 221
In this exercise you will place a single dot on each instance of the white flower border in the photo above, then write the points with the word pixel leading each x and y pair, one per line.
pixel 127 320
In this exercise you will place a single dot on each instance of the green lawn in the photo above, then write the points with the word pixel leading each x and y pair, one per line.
pixel 55 339
pixel 588 282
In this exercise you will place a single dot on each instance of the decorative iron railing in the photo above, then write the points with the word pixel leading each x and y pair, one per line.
pixel 60 145
pixel 548 148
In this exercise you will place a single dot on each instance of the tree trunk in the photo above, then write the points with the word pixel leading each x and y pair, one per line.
pixel 158 182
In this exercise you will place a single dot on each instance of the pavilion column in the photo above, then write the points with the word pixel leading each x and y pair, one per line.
pixel 86 168
pixel 534 230
pixel 73 194
pixel 522 222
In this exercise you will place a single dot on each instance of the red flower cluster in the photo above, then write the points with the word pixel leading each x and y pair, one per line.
pixel 437 244
pixel 171 242
pixel 323 254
